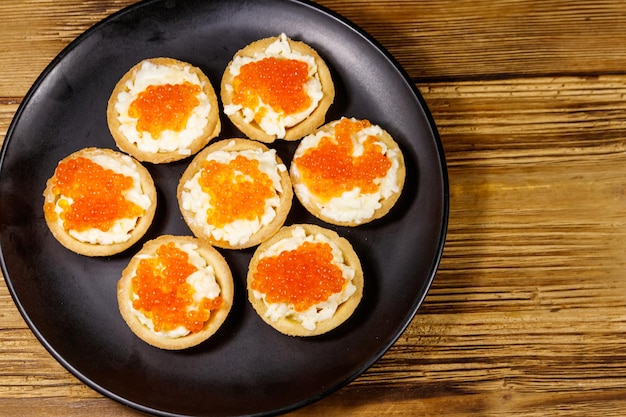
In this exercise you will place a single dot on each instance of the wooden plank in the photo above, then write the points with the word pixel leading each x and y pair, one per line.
pixel 440 39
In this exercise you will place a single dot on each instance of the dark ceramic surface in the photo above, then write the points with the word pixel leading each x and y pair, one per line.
pixel 247 368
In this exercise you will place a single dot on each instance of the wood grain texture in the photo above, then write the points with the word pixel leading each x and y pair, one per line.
pixel 468 38
pixel 527 314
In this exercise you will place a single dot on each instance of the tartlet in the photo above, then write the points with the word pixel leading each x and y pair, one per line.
pixel 235 193
pixel 305 280
pixel 277 88
pixel 163 110
pixel 99 202
pixel 349 172
pixel 176 292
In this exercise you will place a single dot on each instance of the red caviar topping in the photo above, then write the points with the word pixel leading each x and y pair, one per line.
pixel 164 295
pixel 237 190
pixel 48 211
pixel 303 277
pixel 279 83
pixel 164 107
pixel 97 194
pixel 330 169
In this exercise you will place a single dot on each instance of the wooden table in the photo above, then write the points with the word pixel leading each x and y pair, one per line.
pixel 527 314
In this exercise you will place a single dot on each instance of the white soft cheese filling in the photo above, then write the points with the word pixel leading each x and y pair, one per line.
pixel 351 206
pixel 169 140
pixel 122 228
pixel 237 232
pixel 322 310
pixel 274 123
pixel 203 282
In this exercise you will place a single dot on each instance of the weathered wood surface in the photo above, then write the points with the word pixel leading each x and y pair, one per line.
pixel 527 314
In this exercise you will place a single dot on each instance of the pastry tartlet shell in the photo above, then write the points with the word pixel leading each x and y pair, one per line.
pixel 314 120
pixel 223 277
pixel 293 327
pixel 236 144
pixel 90 249
pixel 386 203
pixel 211 130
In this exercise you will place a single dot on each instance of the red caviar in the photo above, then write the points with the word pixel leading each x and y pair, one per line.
pixel 330 169
pixel 279 83
pixel 237 190
pixel 303 277
pixel 97 194
pixel 164 107
pixel 164 295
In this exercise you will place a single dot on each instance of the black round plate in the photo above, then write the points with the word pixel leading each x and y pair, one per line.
pixel 247 368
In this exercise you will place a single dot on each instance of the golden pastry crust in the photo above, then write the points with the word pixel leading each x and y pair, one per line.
pixel 94 249
pixel 314 120
pixel 282 210
pixel 293 327
pixel 210 131
pixel 386 203
pixel 223 278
